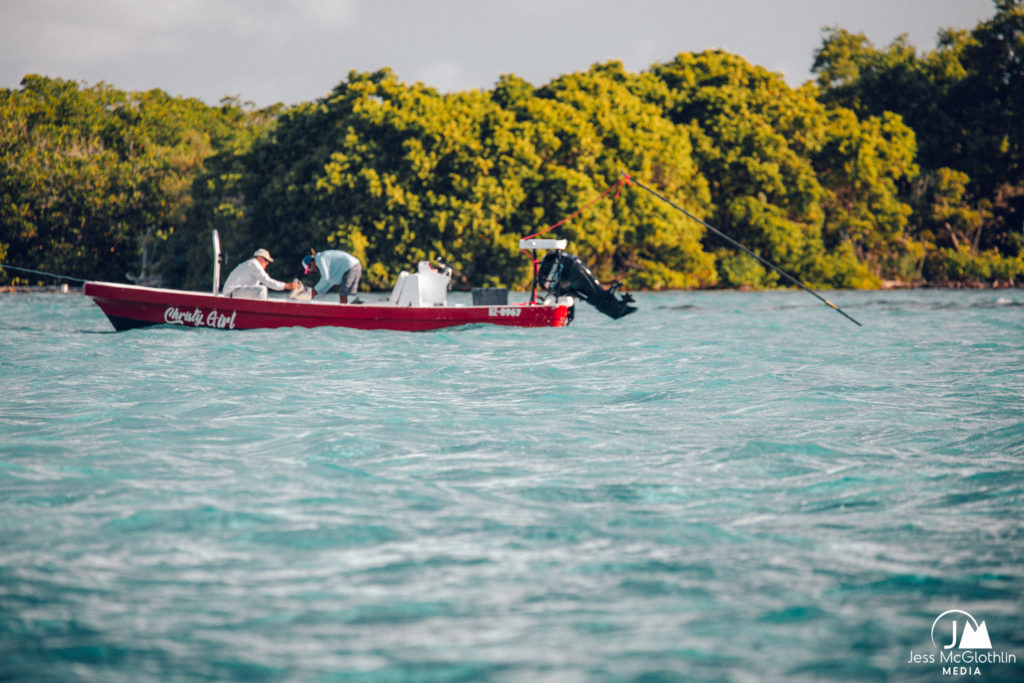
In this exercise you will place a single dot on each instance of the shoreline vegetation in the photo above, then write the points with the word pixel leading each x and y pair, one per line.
pixel 884 286
pixel 893 169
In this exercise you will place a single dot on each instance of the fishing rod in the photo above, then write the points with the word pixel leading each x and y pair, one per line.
pixel 41 272
pixel 631 179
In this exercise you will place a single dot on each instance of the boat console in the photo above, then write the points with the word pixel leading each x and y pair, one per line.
pixel 426 287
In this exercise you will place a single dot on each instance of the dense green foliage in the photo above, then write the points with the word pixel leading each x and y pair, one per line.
pixel 396 174
pixel 95 181
pixel 965 102
pixel 893 166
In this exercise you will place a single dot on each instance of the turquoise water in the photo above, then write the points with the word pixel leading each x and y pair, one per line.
pixel 723 486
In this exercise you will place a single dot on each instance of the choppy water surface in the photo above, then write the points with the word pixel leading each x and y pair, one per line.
pixel 723 486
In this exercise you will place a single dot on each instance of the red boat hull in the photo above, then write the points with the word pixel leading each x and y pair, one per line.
pixel 131 306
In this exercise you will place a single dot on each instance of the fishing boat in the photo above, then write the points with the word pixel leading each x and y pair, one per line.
pixel 418 302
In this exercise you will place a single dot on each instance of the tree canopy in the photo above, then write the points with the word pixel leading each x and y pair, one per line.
pixel 964 101
pixel 94 180
pixel 892 166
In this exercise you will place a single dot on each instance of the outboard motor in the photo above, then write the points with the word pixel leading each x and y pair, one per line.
pixel 562 274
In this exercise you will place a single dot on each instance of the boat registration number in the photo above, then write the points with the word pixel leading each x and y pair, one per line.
pixel 504 311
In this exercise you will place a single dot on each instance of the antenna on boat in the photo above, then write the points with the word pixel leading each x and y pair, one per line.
pixel 217 259
pixel 744 249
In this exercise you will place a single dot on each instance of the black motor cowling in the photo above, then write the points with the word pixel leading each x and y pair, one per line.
pixel 563 274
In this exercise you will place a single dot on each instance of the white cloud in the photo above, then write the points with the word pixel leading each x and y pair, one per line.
pixel 295 50
pixel 105 29
pixel 445 75
pixel 332 13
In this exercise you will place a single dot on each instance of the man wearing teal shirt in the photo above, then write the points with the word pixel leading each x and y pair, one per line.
pixel 335 268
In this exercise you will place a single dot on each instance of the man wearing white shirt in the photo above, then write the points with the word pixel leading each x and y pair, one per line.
pixel 249 280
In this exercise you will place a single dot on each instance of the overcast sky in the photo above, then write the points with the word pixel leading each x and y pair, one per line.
pixel 269 51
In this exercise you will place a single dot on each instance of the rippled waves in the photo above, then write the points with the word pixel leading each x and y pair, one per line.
pixel 723 486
